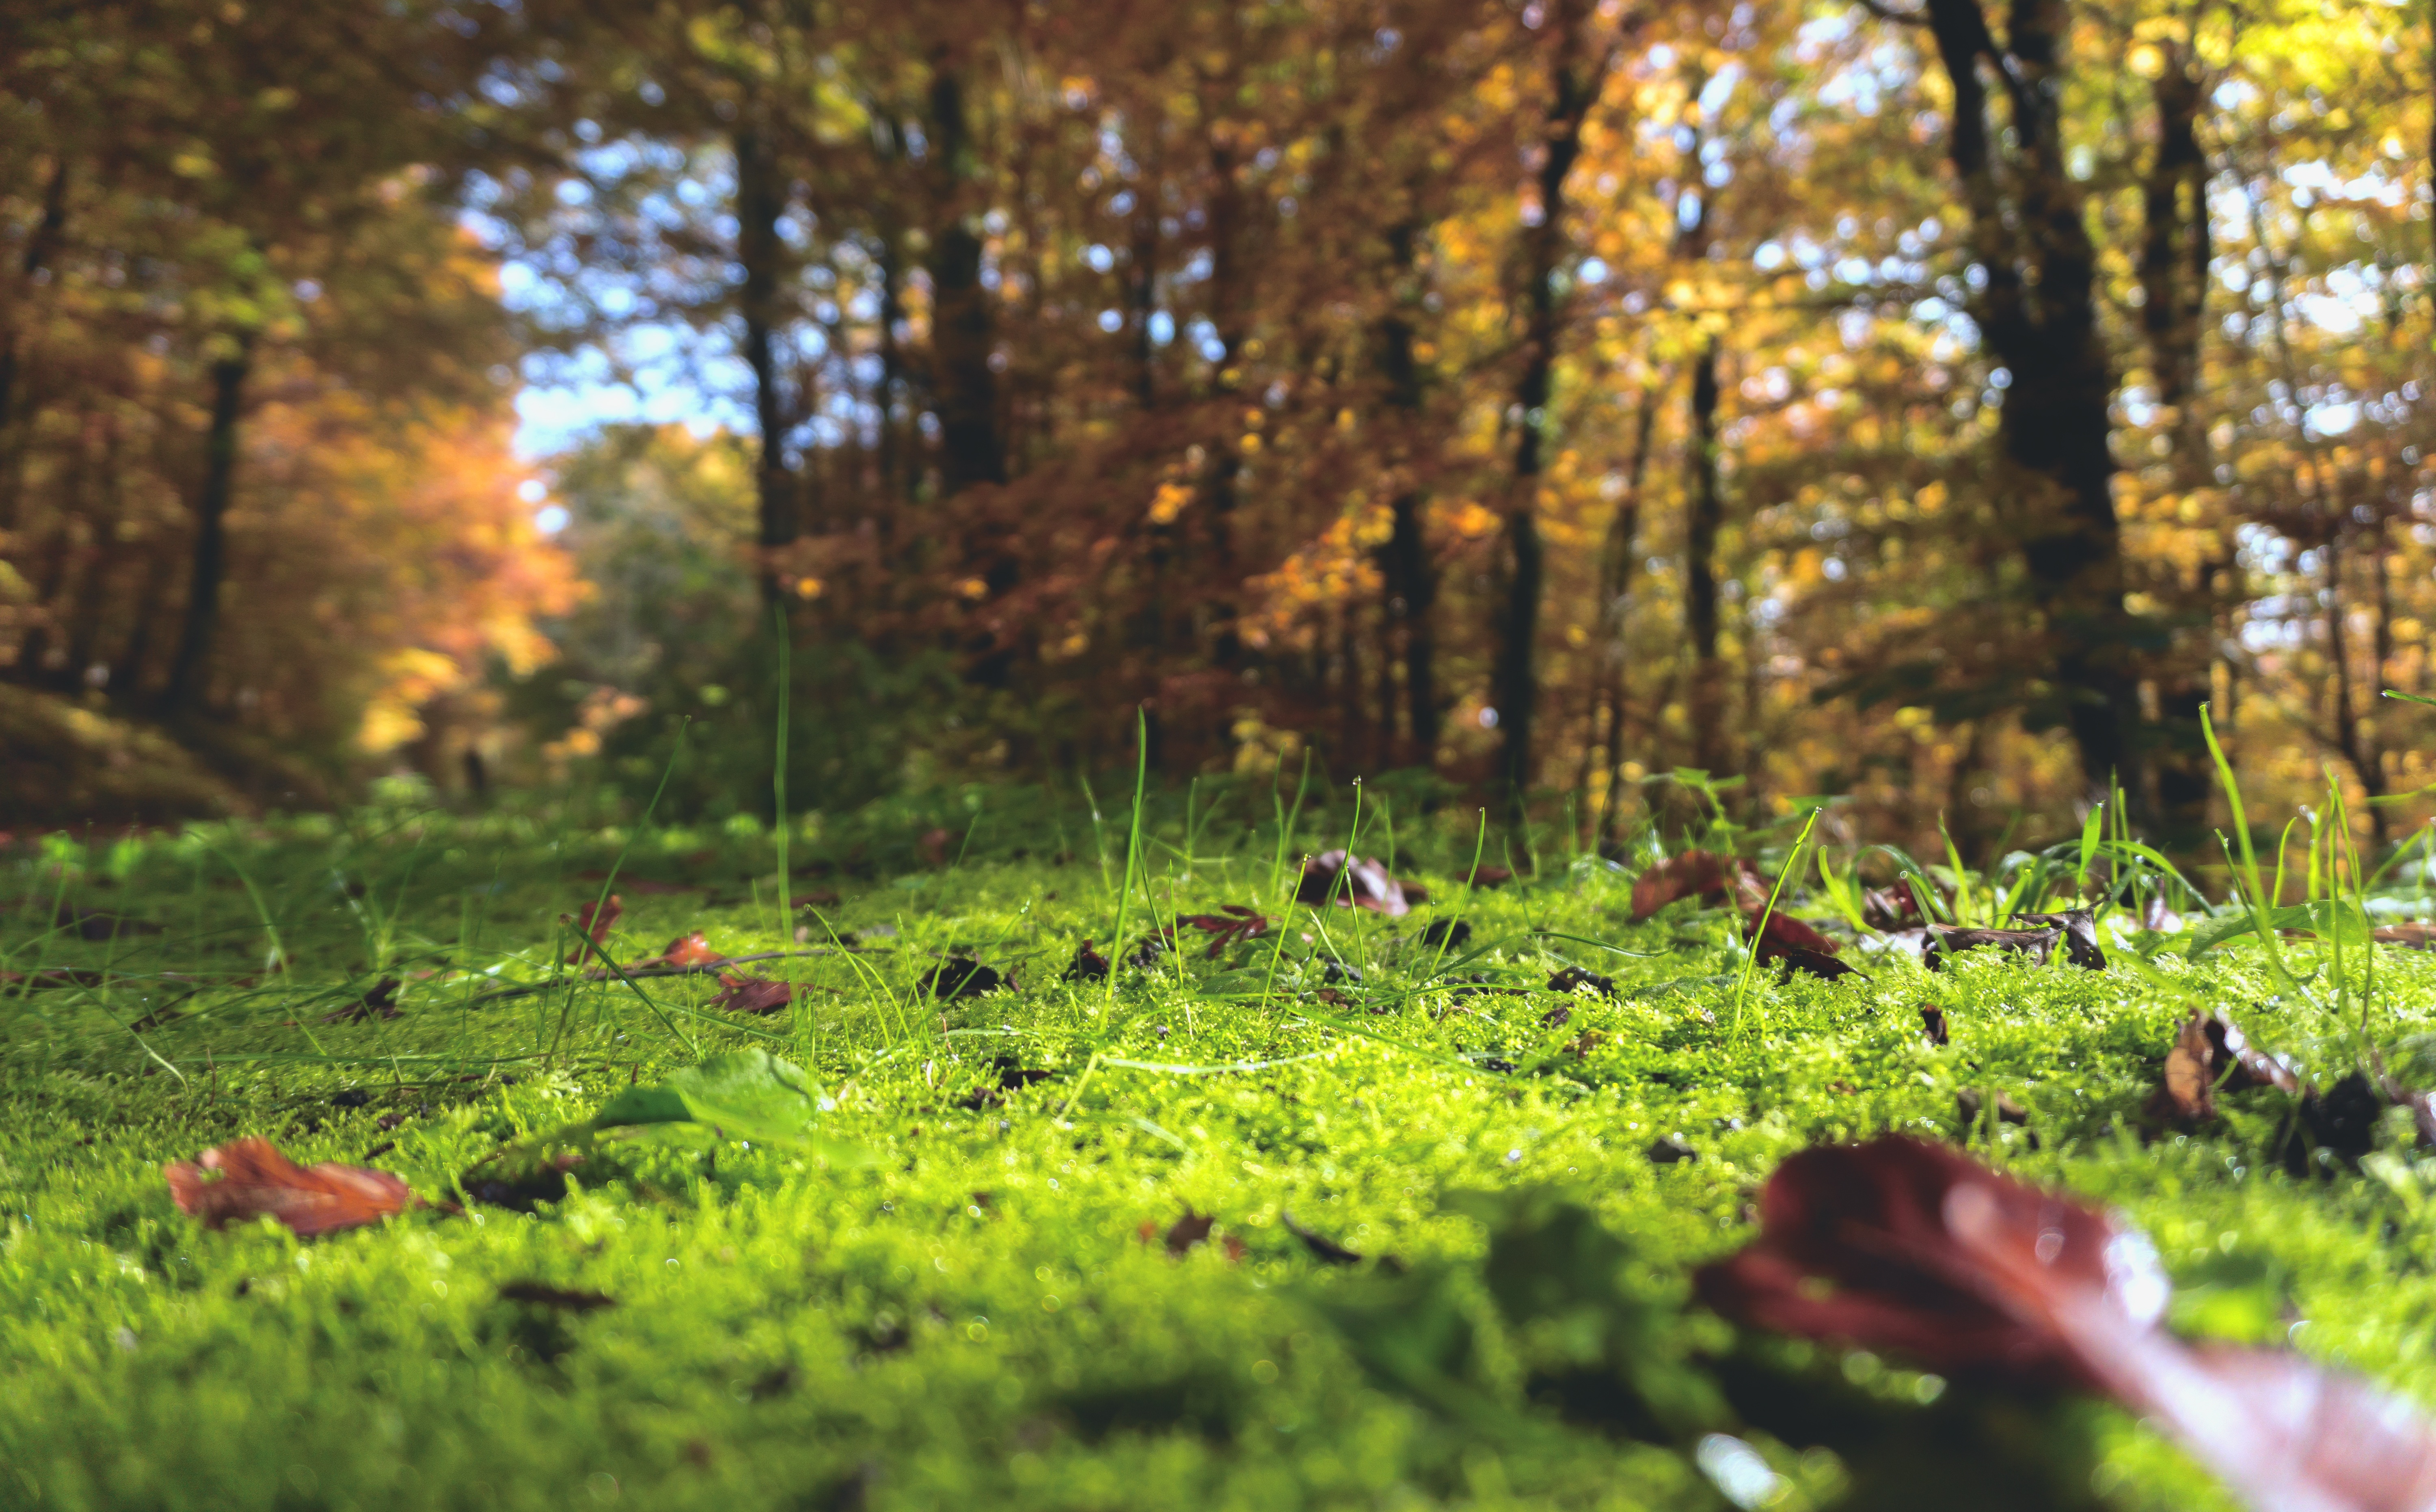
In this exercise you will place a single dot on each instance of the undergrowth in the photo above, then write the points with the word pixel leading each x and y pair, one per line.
pixel 992 1282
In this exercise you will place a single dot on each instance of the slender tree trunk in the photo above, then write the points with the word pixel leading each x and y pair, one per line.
pixel 971 449
pixel 2038 313
pixel 190 668
pixel 126 671
pixel 760 200
pixel 2176 249
pixel 40 246
pixel 1707 516
pixel 1573 85
pixel 1618 557
pixel 2358 749
pixel 1412 582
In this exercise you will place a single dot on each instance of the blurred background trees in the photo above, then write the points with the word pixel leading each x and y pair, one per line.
pixel 1925 401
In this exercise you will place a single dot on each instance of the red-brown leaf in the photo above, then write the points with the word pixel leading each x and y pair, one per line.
pixel 381 1002
pixel 1696 874
pixel 1352 882
pixel 595 920
pixel 1917 1250
pixel 685 950
pixel 1798 946
pixel 248 1178
pixel 753 995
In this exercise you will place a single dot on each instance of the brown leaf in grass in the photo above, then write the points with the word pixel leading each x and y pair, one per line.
pixel 1697 874
pixel 753 995
pixel 2412 936
pixel 250 1179
pixel 1890 908
pixel 962 977
pixel 381 1002
pixel 2080 926
pixel 1932 1020
pixel 2210 1053
pixel 1333 877
pixel 1187 1231
pixel 933 846
pixel 1089 965
pixel 1573 979
pixel 1492 877
pixel 1912 1249
pixel 594 921
pixel 1799 947
pixel 1233 925
pixel 1322 1247
pixel 541 1293
pixel 685 950
pixel 1949 939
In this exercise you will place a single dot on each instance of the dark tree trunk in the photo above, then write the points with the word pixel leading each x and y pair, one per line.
pixel 760 200
pixel 1411 577
pixel 40 245
pixel 2039 315
pixel 2174 257
pixel 965 390
pixel 1707 514
pixel 1516 687
pixel 1617 559
pixel 191 666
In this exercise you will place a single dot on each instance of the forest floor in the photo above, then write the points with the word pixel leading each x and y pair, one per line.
pixel 1240 1228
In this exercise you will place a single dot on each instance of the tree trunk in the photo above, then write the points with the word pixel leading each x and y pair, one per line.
pixel 1618 557
pixel 1516 691
pixel 2174 257
pixel 1707 516
pixel 965 390
pixel 188 670
pixel 40 245
pixel 1411 577
pixel 760 200
pixel 2039 315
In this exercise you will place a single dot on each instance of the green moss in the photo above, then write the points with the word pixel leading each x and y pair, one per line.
pixel 975 1315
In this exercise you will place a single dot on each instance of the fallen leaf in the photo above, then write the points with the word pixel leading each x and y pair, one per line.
pixel 541 1293
pixel 1667 1150
pixel 962 977
pixel 1491 877
pixel 752 995
pixel 1573 979
pixel 98 924
pixel 1969 1102
pixel 1231 927
pixel 1089 965
pixel 1932 1020
pixel 1946 940
pixel 2210 1054
pixel 1321 1247
pixel 2413 936
pixel 1890 908
pixel 1353 882
pixel 1911 1249
pixel 593 920
pixel 379 1002
pixel 1582 1044
pixel 1696 874
pixel 1557 1018
pixel 685 950
pixel 1799 947
pixel 1187 1231
pixel 2080 926
pixel 1447 934
pixel 248 1178
pixel 933 846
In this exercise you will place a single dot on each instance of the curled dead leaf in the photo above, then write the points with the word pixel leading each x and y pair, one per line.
pixel 248 1178
pixel 594 921
pixel 1697 874
pixel 753 995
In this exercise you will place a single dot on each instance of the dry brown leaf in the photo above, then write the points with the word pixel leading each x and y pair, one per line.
pixel 250 1179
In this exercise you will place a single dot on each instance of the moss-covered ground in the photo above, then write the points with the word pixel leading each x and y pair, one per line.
pixel 995 1304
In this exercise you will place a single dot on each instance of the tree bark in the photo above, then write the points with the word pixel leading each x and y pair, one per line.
pixel 2039 315
pixel 1707 516
pixel 760 200
pixel 1411 577
pixel 40 245
pixel 2176 249
pixel 188 670
pixel 1573 85
pixel 965 390
pixel 1617 558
